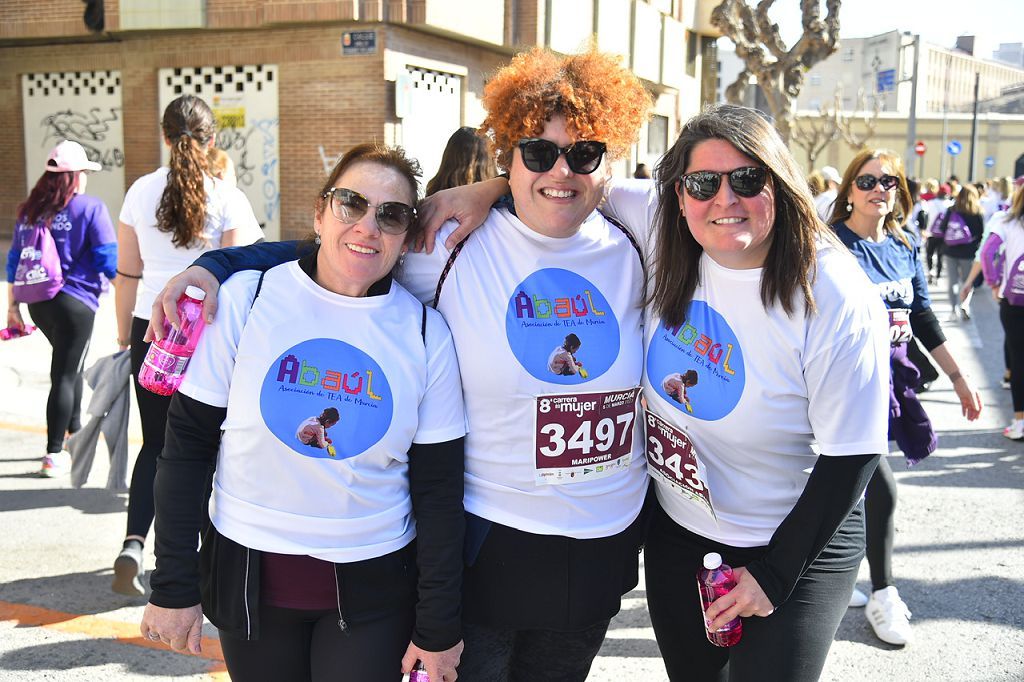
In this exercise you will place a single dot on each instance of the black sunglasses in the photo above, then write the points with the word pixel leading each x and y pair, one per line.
pixel 746 182
pixel 348 206
pixel 868 182
pixel 583 157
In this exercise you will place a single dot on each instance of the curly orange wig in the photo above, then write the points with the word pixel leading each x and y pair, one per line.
pixel 599 99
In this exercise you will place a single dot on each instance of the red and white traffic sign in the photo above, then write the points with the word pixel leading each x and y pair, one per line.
pixel 920 148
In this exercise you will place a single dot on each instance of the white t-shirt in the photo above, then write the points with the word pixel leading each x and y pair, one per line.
pixel 302 350
pixel 1011 231
pixel 226 209
pixel 510 298
pixel 773 391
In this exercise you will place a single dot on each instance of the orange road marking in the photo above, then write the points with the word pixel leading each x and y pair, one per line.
pixel 103 628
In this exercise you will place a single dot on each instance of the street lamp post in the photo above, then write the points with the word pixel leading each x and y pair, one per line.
pixel 912 120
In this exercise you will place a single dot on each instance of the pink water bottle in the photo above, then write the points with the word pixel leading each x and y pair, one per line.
pixel 419 673
pixel 714 580
pixel 9 333
pixel 165 363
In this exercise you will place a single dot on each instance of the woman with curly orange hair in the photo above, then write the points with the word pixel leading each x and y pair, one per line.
pixel 555 476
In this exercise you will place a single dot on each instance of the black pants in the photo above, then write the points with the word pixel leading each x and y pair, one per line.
pixel 879 511
pixel 498 655
pixel 299 645
pixel 1012 317
pixel 789 646
pixel 153 415
pixel 67 324
pixel 933 248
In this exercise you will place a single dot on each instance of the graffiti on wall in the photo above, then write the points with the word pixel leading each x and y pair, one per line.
pixel 244 102
pixel 90 129
pixel 84 106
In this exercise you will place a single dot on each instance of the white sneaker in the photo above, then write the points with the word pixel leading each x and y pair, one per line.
pixel 858 599
pixel 889 616
pixel 1015 431
pixel 56 464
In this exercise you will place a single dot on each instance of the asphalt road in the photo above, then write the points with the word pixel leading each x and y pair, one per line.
pixel 959 562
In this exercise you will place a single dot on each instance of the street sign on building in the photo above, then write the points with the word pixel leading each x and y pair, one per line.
pixel 920 148
pixel 954 147
pixel 990 161
pixel 886 81
pixel 358 42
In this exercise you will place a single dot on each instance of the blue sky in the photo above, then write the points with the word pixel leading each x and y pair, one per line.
pixel 938 21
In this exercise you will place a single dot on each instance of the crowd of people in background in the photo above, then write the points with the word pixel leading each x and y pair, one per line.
pixel 454 536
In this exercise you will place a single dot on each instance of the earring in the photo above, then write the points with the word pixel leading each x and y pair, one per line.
pixel 316 240
pixel 849 207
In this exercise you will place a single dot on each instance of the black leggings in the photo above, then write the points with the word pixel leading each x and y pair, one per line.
pixel 1012 317
pixel 499 655
pixel 308 645
pixel 933 254
pixel 67 324
pixel 789 646
pixel 153 415
pixel 879 511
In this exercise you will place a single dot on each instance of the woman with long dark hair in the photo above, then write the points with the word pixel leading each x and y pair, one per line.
pixel 169 217
pixel 466 160
pixel 85 240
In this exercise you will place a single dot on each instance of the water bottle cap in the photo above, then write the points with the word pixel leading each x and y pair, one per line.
pixel 712 560
pixel 195 292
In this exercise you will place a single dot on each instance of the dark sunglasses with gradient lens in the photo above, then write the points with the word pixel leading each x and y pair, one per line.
pixel 348 206
pixel 583 157
pixel 746 182
pixel 868 182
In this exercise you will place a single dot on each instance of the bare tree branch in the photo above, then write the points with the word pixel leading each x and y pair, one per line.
pixel 868 118
pixel 779 72
pixel 815 134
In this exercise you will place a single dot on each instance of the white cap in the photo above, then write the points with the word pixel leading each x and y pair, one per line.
pixel 70 156
pixel 712 560
pixel 832 175
pixel 195 292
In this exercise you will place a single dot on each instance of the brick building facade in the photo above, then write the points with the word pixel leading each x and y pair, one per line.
pixel 294 82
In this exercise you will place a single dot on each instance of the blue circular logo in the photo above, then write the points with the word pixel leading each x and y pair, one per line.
pixel 328 399
pixel 698 366
pixel 561 328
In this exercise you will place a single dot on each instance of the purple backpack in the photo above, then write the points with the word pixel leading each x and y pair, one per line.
pixel 956 232
pixel 1014 290
pixel 39 275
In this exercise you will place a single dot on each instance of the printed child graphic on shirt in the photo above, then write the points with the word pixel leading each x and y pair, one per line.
pixel 675 386
pixel 313 431
pixel 563 359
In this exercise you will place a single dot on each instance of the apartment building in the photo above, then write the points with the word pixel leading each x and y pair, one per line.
pixel 881 67
pixel 294 83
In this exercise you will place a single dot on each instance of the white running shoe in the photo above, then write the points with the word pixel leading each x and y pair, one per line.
pixel 889 616
pixel 858 599
pixel 1015 431
pixel 56 464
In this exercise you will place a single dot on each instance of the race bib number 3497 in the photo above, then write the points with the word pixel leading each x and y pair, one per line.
pixel 583 436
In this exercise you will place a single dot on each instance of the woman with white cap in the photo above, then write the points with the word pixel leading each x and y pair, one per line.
pixel 86 244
